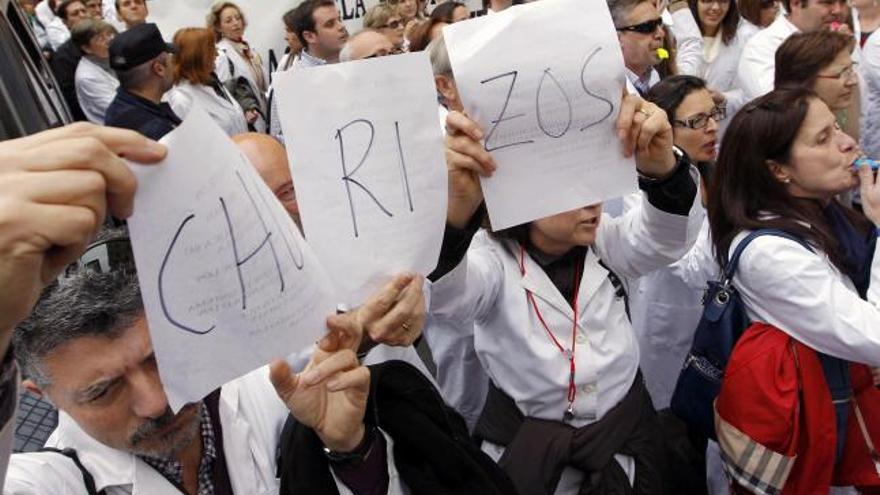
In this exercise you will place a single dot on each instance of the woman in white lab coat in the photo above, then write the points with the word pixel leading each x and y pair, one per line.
pixel 197 85
pixel 724 34
pixel 549 307
pixel 238 65
pixel 95 81
pixel 870 70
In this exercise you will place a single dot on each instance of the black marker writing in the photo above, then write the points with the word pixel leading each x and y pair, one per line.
pixel 501 118
pixel 298 261
pixel 406 191
pixel 594 95
pixel 541 125
pixel 161 286
pixel 347 176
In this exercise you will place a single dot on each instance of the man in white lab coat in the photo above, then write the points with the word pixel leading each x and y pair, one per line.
pixel 87 348
pixel 69 13
pixel 757 64
pixel 640 31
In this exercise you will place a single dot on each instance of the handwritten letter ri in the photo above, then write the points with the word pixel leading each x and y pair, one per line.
pixel 227 281
pixel 366 155
pixel 544 80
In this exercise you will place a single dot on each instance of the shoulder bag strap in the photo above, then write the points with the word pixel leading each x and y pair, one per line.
pixel 88 480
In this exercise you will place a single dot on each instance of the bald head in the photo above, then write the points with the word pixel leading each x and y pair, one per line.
pixel 365 44
pixel 269 158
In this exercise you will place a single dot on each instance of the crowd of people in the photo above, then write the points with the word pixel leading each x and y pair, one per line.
pixel 541 358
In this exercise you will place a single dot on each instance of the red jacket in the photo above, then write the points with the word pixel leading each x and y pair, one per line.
pixel 772 441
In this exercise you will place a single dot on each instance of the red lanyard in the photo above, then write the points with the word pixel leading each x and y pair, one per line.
pixel 570 355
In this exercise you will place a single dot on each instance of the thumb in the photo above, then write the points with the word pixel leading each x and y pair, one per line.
pixel 283 379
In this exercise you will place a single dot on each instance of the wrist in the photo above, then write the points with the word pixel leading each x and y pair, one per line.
pixel 347 444
pixel 670 164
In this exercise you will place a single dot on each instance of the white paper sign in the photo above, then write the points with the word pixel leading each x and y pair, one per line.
pixel 544 80
pixel 227 281
pixel 368 166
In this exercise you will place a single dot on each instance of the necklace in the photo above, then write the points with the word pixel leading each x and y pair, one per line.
pixel 569 354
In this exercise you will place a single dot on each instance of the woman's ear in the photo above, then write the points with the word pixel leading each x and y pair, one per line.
pixel 780 171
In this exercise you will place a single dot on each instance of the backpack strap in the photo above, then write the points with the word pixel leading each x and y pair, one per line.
pixel 88 480
pixel 731 265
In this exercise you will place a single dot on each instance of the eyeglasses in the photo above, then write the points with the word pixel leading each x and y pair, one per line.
pixel 647 27
pixel 395 24
pixel 104 257
pixel 702 120
pixel 719 2
pixel 844 75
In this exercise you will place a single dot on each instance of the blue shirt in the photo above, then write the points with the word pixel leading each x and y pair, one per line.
pixel 130 111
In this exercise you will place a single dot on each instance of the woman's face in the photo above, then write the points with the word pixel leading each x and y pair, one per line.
pixel 711 13
pixel 393 30
pixel 769 11
pixel 231 24
pixel 460 13
pixel 407 9
pixel 821 157
pixel 557 234
pixel 99 45
pixel 696 110
pixel 836 82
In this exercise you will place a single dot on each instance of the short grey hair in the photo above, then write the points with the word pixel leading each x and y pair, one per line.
pixel 621 8
pixel 439 56
pixel 79 304
pixel 345 53
pixel 85 30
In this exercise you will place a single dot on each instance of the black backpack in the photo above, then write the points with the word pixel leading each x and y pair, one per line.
pixel 723 321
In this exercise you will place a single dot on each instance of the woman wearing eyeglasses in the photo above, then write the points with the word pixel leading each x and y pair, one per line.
pixel 724 34
pixel 386 19
pixel 822 61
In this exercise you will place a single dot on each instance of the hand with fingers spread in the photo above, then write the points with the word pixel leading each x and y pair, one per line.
pixel 329 396
pixel 466 161
pixel 646 133
pixel 393 316
pixel 55 188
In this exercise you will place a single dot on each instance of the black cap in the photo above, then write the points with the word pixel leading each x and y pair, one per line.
pixel 137 45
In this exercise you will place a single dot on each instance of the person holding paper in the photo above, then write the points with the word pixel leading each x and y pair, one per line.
pixel 87 347
pixel 568 407
pixel 55 188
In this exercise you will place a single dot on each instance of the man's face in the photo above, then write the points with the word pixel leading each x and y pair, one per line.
pixel 110 386
pixel 27 6
pixel 94 9
pixel 640 48
pixel 369 45
pixel 815 15
pixel 76 12
pixel 330 33
pixel 132 12
pixel 269 159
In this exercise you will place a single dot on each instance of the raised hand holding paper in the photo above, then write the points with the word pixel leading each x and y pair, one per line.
pixel 228 282
pixel 544 80
pixel 368 167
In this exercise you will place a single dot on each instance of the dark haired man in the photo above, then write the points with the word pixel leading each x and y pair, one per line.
pixel 757 65
pixel 68 12
pixel 640 33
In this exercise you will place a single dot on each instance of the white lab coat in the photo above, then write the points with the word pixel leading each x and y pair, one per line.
pixel 870 72
pixel 226 112
pixel 57 32
pixel 228 58
pixel 757 64
pixel 44 12
pixel 721 73
pixel 487 288
pixel 804 295
pixel 688 39
pixel 251 415
pixel 95 89
pixel 665 311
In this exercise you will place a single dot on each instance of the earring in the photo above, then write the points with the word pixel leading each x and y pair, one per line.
pixel 787 180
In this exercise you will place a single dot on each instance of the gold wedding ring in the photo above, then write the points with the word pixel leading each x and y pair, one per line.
pixel 406 327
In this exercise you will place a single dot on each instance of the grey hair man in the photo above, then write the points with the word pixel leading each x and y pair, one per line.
pixel 367 43
pixel 640 33
pixel 87 348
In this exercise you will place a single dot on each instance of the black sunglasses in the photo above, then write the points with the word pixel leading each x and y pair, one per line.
pixel 647 27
